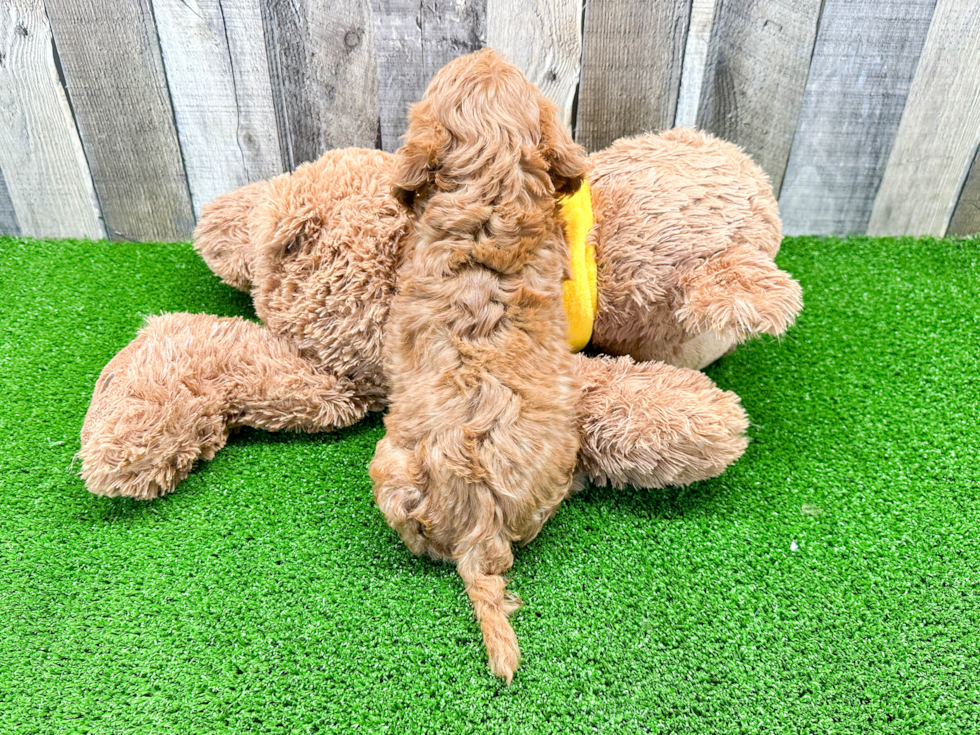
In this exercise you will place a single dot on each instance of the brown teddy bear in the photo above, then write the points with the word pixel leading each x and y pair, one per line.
pixel 684 234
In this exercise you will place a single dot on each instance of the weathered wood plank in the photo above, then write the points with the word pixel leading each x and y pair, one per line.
pixel 450 28
pixel 114 74
pixel 631 68
pixel 966 216
pixel 48 184
pixel 8 217
pixel 414 39
pixel 862 68
pixel 758 60
pixel 218 76
pixel 695 57
pixel 939 131
pixel 398 47
pixel 324 76
pixel 544 38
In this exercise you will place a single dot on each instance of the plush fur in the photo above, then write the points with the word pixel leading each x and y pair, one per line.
pixel 685 231
pixel 623 400
pixel 481 440
pixel 187 380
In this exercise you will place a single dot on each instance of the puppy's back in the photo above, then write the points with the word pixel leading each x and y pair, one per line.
pixel 481 441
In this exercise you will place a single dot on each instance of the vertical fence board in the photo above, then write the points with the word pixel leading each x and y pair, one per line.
pixel 414 39
pixel 544 38
pixel 939 131
pixel 695 56
pixel 253 88
pixel 631 68
pixel 8 217
pixel 398 45
pixel 862 68
pixel 758 60
pixel 111 59
pixel 48 183
pixel 966 216
pixel 324 75
pixel 450 28
pixel 127 116
pixel 222 102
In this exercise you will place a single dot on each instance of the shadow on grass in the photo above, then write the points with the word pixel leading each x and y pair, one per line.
pixel 660 503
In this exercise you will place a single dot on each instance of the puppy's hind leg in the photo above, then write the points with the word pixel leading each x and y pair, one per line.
pixel 487 590
pixel 398 491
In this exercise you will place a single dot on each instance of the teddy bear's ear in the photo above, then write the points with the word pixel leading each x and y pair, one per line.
pixel 282 213
pixel 222 236
pixel 565 158
pixel 417 160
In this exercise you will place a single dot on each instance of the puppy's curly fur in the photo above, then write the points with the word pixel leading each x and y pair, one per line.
pixel 481 432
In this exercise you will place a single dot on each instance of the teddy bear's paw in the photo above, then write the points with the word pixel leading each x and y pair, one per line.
pixel 152 416
pixel 112 481
pixel 143 451
pixel 654 425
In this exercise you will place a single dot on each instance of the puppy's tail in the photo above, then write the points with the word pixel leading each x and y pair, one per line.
pixel 492 605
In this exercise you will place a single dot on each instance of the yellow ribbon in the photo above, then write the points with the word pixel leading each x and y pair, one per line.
pixel 581 294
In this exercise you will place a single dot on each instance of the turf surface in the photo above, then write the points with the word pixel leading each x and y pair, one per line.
pixel 828 582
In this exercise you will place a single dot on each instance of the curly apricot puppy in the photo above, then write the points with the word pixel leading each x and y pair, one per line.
pixel 481 431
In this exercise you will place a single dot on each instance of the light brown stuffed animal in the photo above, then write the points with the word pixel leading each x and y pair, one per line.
pixel 685 230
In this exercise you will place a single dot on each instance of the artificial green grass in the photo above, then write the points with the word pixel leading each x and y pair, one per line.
pixel 828 582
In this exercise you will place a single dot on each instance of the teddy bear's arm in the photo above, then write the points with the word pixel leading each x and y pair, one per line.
pixel 739 292
pixel 651 425
pixel 170 397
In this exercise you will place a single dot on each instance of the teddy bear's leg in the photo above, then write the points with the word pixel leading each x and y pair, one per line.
pixel 736 295
pixel 144 428
pixel 652 425
pixel 169 398
pixel 222 234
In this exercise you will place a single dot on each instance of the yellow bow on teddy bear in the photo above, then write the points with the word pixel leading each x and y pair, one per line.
pixel 581 294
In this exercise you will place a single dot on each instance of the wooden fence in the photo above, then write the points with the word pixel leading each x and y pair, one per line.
pixel 121 118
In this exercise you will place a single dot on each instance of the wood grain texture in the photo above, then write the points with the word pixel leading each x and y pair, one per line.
pixel 695 57
pixel 758 60
pixel 450 28
pixel 414 39
pixel 8 217
pixel 862 68
pixel 940 128
pixel 218 76
pixel 631 68
pixel 398 47
pixel 544 38
pixel 48 185
pixel 117 87
pixel 323 73
pixel 966 215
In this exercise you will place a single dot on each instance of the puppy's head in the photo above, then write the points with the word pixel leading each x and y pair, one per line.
pixel 481 115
